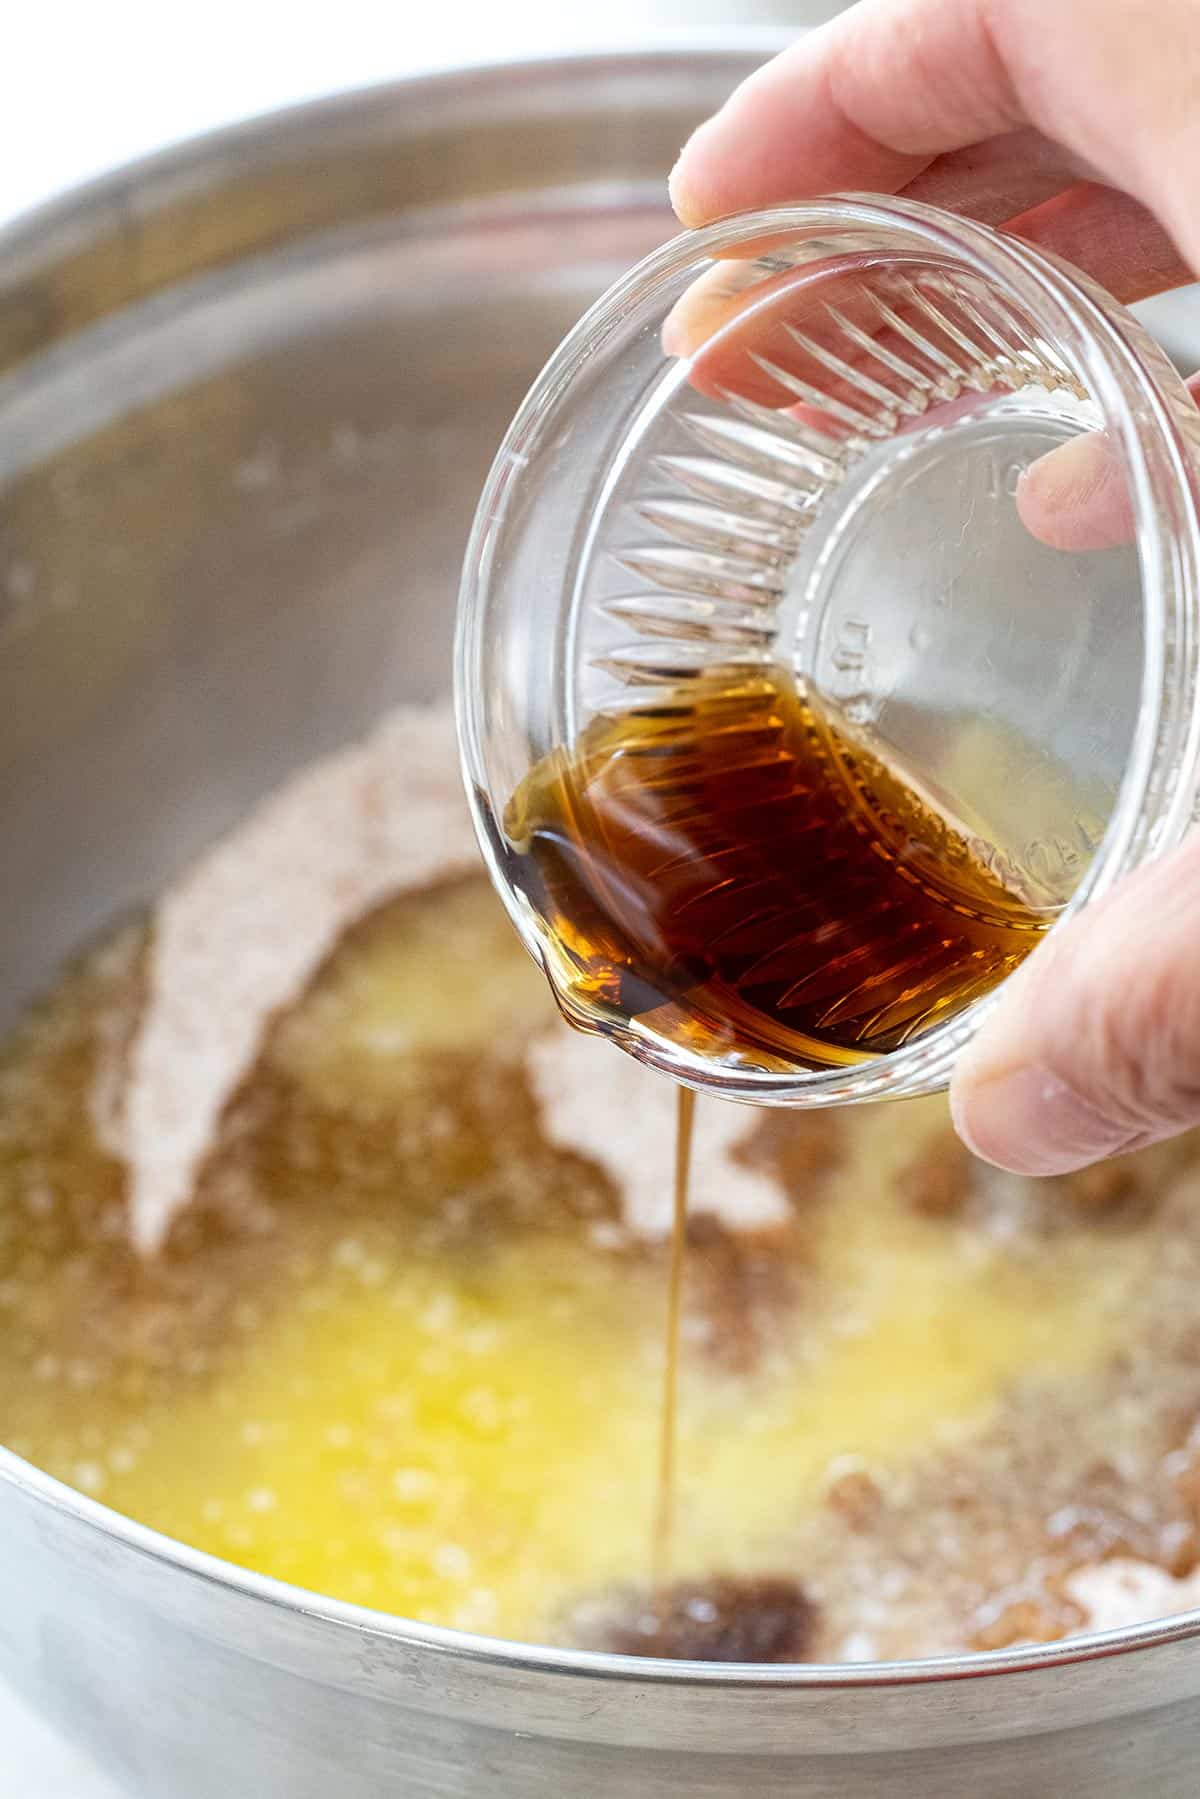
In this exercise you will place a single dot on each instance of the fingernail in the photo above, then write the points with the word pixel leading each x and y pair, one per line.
pixel 1030 1122
pixel 674 336
pixel 675 185
pixel 677 188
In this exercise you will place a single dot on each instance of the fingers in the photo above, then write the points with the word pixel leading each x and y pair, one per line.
pixel 872 99
pixel 1106 233
pixel 1077 498
pixel 788 131
pixel 1110 236
pixel 739 327
pixel 997 108
pixel 1094 1046
pixel 998 179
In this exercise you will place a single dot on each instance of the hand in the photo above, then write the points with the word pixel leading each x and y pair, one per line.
pixel 1075 124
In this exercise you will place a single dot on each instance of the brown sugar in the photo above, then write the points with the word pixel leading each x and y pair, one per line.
pixel 855 1497
pixel 722 1619
pixel 937 1182
pixel 240 934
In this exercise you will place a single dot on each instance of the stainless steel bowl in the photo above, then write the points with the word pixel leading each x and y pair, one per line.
pixel 247 395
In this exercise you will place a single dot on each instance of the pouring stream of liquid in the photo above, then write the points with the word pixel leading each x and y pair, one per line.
pixel 665 1511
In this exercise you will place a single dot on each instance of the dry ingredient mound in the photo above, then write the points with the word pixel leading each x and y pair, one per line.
pixel 238 937
pixel 609 1108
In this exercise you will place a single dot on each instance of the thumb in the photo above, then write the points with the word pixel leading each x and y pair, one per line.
pixel 1094 1045
pixel 1076 498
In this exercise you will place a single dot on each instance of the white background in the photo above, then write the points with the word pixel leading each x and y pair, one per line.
pixel 85 84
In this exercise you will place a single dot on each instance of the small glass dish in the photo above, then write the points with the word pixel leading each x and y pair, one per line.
pixel 794 441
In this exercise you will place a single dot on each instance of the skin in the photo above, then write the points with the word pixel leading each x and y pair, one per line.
pixel 1076 124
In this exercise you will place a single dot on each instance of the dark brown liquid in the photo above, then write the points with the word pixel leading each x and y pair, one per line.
pixel 742 879
pixel 748 883
pixel 665 1508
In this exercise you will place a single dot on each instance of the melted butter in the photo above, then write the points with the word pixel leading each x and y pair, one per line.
pixel 466 1434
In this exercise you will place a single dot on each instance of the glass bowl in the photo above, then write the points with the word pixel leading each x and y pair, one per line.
pixel 790 449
